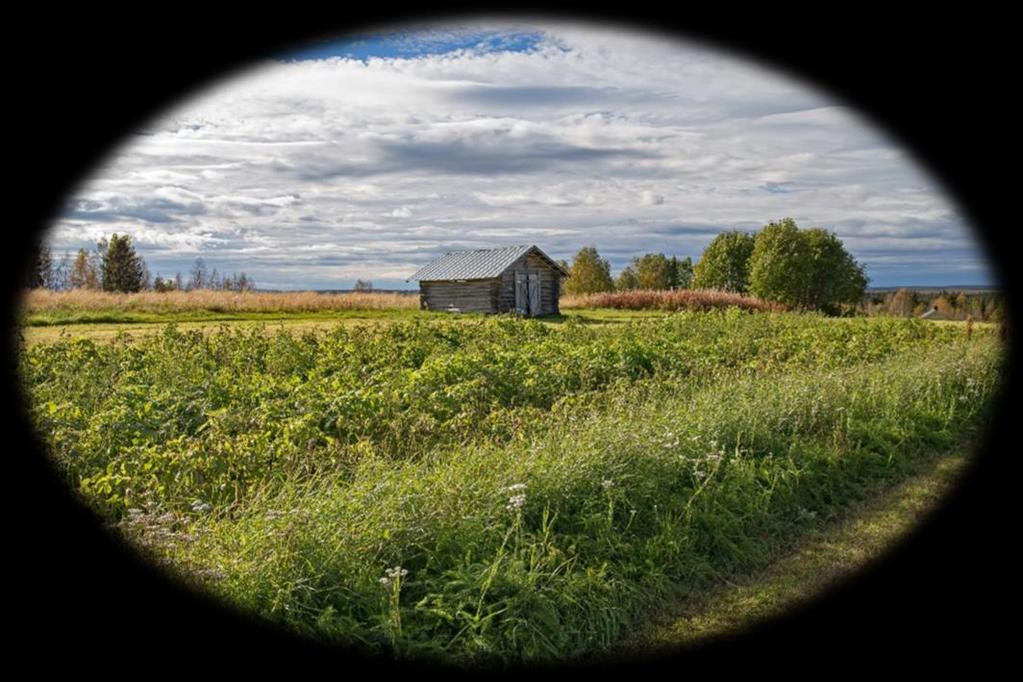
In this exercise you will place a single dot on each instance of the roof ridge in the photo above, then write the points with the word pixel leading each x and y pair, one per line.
pixel 497 248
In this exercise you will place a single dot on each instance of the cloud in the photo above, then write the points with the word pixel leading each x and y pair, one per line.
pixel 313 173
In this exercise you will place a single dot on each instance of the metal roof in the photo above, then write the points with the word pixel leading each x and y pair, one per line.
pixel 478 264
pixel 934 314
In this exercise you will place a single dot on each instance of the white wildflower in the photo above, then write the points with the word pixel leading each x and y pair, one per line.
pixel 607 483
pixel 515 502
pixel 201 507
pixel 396 572
pixel 515 488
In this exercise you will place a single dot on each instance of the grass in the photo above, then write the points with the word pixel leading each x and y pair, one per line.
pixel 827 554
pixel 43 306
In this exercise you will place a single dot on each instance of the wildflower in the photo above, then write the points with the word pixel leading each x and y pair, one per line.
pixel 201 507
pixel 396 572
pixel 607 483
pixel 516 487
pixel 515 502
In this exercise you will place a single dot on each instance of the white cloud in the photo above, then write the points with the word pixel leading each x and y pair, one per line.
pixel 314 173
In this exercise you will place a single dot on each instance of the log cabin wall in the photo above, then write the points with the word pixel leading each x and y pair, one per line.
pixel 473 296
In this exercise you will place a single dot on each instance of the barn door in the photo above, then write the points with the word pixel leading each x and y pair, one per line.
pixel 521 294
pixel 534 293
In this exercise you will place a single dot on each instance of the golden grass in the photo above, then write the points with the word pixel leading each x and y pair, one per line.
pixel 39 301
pixel 684 299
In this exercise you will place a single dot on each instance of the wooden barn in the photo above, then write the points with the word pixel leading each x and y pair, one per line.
pixel 520 279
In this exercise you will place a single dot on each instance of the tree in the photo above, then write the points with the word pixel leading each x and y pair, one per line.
pixel 627 279
pixel 681 273
pixel 725 263
pixel 590 274
pixel 653 271
pixel 96 260
pixel 83 272
pixel 901 303
pixel 163 285
pixel 62 273
pixel 41 273
pixel 197 274
pixel 363 285
pixel 804 268
pixel 123 268
pixel 147 277
pixel 943 305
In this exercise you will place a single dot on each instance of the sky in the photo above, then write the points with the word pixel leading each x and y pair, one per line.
pixel 369 156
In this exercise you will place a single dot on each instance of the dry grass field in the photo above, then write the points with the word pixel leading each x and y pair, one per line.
pixel 44 301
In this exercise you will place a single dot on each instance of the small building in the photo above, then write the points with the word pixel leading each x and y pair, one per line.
pixel 520 279
pixel 934 314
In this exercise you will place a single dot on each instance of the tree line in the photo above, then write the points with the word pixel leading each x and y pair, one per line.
pixel 804 268
pixel 982 306
pixel 115 265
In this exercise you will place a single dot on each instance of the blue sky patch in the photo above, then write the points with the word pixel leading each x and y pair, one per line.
pixel 418 43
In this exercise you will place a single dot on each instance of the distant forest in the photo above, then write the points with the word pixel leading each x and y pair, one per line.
pixel 983 305
pixel 115 265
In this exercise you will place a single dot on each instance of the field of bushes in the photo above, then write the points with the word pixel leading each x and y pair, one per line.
pixel 496 490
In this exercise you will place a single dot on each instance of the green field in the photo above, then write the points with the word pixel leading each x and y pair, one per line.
pixel 494 489
pixel 105 326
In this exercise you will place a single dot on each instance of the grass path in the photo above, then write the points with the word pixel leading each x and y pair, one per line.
pixel 832 552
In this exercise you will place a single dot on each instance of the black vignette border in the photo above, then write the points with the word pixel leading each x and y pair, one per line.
pixel 939 83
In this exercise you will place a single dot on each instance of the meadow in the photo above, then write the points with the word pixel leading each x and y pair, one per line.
pixel 496 490
pixel 44 307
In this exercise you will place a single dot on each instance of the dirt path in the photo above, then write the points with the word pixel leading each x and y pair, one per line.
pixel 830 553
